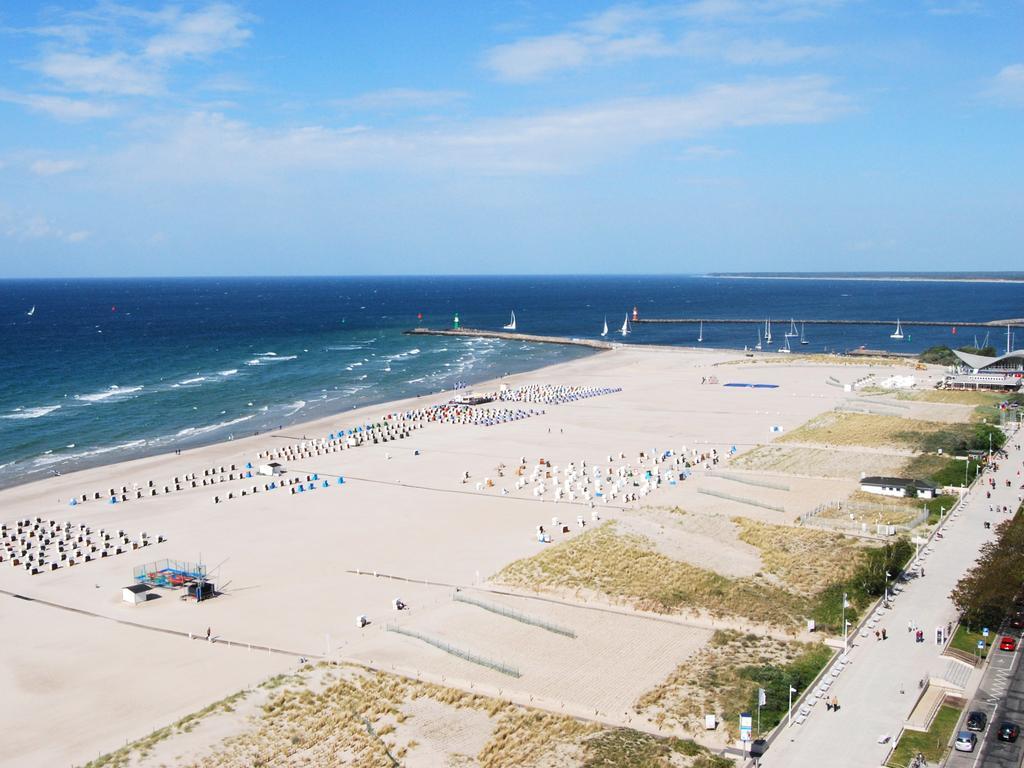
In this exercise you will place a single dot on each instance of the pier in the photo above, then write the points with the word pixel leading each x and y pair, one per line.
pixel 783 321
pixel 509 336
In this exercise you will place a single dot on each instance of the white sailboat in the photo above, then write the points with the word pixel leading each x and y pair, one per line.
pixel 791 333
pixel 768 331
pixel 786 348
pixel 898 333
pixel 31 311
pixel 605 331
pixel 511 323
pixel 700 335
pixel 803 338
pixel 625 326
pixel 758 345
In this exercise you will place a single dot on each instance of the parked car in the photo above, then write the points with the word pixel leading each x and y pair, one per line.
pixel 976 721
pixel 965 741
pixel 1008 643
pixel 1017 620
pixel 1008 731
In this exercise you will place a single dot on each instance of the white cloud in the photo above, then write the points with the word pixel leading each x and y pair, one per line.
pixel 60 107
pixel 1007 87
pixel 45 167
pixel 36 227
pixel 709 151
pixel 394 99
pixel 120 52
pixel 215 28
pixel 115 74
pixel 625 33
pixel 212 147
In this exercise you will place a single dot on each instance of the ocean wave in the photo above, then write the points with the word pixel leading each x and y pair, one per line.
pixel 190 382
pixel 415 381
pixel 295 407
pixel 345 348
pixel 113 391
pixel 192 431
pixel 49 457
pixel 270 359
pixel 30 413
pixel 229 372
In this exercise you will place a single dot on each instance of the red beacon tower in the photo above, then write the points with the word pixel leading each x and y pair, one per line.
pixel 636 314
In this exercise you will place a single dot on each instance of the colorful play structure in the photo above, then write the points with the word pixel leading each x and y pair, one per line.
pixel 169 574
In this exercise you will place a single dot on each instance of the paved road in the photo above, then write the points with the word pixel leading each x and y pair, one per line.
pixel 1001 696
pixel 878 688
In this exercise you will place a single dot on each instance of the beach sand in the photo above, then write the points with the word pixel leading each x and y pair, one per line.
pixel 285 561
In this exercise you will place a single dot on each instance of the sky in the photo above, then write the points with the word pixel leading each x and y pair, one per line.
pixel 262 138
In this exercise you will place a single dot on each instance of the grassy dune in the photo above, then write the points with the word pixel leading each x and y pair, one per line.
pixel 355 717
pixel 724 679
pixel 627 568
pixel 865 429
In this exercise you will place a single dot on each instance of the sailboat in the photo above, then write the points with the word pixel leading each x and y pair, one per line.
pixel 786 348
pixel 758 345
pixel 511 323
pixel 31 311
pixel 803 339
pixel 625 326
pixel 898 333
pixel 768 331
pixel 605 331
pixel 700 336
pixel 791 333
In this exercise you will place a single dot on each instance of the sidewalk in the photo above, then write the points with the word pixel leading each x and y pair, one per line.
pixel 879 686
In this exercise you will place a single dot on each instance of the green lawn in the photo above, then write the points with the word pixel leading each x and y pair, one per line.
pixel 967 641
pixel 932 743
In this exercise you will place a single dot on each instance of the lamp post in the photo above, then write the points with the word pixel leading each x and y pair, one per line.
pixel 789 721
pixel 845 624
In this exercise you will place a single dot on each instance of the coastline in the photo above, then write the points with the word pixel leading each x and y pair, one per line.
pixel 866 278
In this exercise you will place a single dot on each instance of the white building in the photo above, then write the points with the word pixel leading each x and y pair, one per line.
pixel 899 487
pixel 135 594
pixel 272 469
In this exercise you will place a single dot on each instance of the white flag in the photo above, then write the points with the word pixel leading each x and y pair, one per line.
pixel 762 699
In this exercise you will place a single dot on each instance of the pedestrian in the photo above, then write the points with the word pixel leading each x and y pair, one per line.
pixel 884 636
pixel 828 705
pixel 207 634
pixel 910 625
pixel 922 573
pixel 835 704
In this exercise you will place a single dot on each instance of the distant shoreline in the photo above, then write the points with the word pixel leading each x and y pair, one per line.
pixel 867 278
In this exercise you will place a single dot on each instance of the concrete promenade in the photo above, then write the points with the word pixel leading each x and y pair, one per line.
pixel 879 686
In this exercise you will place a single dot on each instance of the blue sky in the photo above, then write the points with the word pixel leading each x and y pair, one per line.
pixel 408 137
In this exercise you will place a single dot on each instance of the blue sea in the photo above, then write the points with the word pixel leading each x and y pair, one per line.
pixel 105 370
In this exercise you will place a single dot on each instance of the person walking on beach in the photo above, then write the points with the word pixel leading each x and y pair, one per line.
pixel 207 634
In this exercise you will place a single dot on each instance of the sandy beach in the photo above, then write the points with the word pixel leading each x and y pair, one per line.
pixel 295 570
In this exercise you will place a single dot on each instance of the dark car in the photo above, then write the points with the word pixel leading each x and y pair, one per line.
pixel 976 721
pixel 1017 620
pixel 1008 731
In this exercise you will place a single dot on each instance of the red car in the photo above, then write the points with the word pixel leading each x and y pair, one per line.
pixel 1007 644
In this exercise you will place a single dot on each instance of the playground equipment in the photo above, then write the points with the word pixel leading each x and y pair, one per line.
pixel 169 574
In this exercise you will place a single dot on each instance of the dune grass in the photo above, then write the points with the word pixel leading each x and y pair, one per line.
pixel 866 429
pixel 627 568
pixel 806 560
pixel 626 747
pixel 724 678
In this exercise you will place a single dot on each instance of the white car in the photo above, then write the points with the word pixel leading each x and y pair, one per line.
pixel 965 741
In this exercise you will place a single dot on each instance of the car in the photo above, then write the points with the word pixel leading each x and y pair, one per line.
pixel 1008 731
pixel 976 721
pixel 1017 622
pixel 965 741
pixel 1008 643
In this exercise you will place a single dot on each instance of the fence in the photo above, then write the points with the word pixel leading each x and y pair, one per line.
pixel 865 515
pixel 501 610
pixel 749 480
pixel 497 666
pixel 742 500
